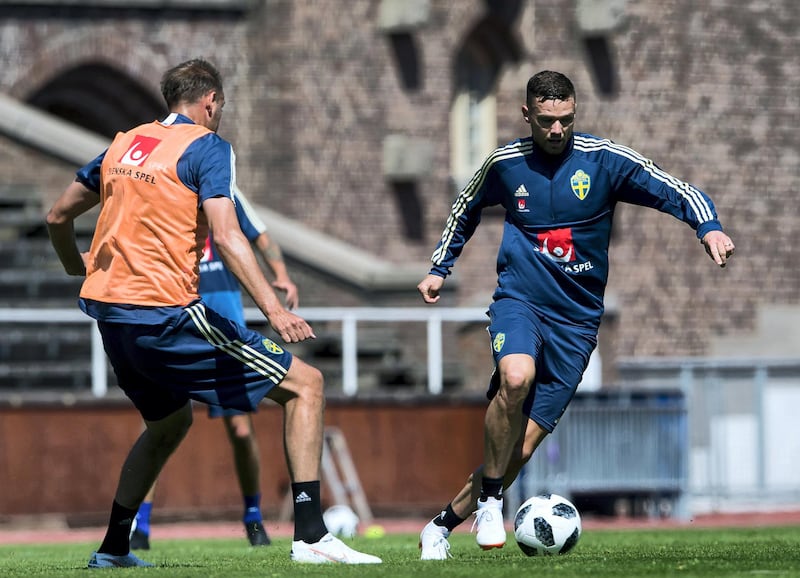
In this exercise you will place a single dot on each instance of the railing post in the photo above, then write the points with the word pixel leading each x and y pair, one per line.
pixel 435 354
pixel 761 377
pixel 99 374
pixel 349 355
pixel 687 386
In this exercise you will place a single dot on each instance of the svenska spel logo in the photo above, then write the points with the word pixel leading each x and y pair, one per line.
pixel 557 244
pixel 208 251
pixel 139 151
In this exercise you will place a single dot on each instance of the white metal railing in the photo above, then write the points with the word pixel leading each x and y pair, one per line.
pixel 349 317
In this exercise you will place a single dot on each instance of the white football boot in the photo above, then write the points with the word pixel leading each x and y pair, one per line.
pixel 489 521
pixel 433 542
pixel 329 550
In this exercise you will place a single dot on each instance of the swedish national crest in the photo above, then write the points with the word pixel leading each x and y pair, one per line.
pixel 272 347
pixel 580 183
pixel 499 341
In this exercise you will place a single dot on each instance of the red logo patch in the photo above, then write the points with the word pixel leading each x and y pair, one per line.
pixel 557 244
pixel 208 251
pixel 139 151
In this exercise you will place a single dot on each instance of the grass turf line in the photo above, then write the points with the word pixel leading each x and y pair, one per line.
pixel 686 553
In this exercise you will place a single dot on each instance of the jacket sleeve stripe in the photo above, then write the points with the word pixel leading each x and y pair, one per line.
pixel 693 197
pixel 469 193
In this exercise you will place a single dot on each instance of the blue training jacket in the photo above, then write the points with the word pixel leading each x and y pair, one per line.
pixel 559 211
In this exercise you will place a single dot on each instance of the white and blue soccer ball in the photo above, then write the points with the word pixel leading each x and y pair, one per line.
pixel 547 524
pixel 341 521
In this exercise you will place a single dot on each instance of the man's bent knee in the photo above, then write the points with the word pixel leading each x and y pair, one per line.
pixel 304 381
pixel 517 372
pixel 513 391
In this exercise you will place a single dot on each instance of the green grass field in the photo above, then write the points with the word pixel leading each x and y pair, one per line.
pixel 688 553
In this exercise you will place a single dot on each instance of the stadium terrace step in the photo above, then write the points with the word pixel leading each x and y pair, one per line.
pixel 39 284
pixel 21 212
pixel 36 358
pixel 15 223
pixel 23 343
pixel 28 253
pixel 47 375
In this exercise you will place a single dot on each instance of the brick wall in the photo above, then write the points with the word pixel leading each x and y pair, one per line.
pixel 708 90
pixel 72 456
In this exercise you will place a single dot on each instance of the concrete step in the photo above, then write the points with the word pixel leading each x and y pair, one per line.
pixel 39 284
pixel 21 212
pixel 29 253
pixel 40 342
pixel 74 375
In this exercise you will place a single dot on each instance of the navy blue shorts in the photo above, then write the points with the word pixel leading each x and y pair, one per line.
pixel 560 351
pixel 228 304
pixel 195 354
pixel 215 411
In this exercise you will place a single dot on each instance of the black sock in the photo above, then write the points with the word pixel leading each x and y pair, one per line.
pixel 491 488
pixel 448 518
pixel 117 540
pixel 308 524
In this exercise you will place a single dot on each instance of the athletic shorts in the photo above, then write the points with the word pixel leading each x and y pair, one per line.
pixel 560 352
pixel 195 354
pixel 228 304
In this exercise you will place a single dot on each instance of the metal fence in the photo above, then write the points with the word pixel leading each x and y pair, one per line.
pixel 348 316
pixel 720 433
pixel 626 445
pixel 728 439
pixel 743 434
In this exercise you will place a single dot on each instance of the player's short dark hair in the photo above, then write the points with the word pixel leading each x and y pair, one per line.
pixel 190 81
pixel 549 85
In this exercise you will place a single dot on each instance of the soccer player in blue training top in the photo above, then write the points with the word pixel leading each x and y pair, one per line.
pixel 162 187
pixel 220 291
pixel 559 190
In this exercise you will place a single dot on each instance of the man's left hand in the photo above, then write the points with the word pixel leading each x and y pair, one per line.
pixel 719 247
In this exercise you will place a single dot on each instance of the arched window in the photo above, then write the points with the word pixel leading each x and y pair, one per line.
pixel 473 111
pixel 473 114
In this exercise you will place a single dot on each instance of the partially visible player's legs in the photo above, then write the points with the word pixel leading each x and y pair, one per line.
pixel 245 452
pixel 502 425
pixel 464 503
pixel 460 508
pixel 502 429
pixel 140 532
pixel 561 354
pixel 139 472
pixel 241 434
pixel 267 370
pixel 301 395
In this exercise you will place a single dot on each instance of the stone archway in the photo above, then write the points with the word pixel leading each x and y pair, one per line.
pixel 97 97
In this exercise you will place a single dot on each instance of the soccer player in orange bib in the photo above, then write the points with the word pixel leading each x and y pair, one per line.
pixel 162 186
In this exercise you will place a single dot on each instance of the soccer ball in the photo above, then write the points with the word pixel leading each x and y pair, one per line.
pixel 341 521
pixel 547 524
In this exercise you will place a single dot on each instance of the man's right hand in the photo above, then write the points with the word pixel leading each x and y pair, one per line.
pixel 290 327
pixel 429 288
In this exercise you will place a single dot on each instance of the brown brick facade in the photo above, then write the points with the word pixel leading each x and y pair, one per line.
pixel 707 90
